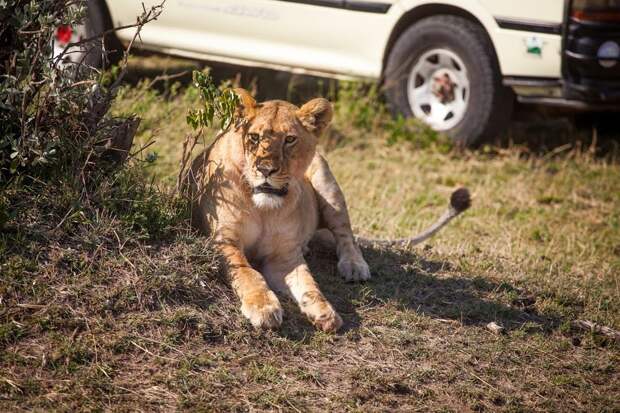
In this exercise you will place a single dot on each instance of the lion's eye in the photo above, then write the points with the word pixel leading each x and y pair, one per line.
pixel 290 139
pixel 253 137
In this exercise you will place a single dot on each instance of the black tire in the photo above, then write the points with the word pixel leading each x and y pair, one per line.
pixel 490 103
pixel 97 21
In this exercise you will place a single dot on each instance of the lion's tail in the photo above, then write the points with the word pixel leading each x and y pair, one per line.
pixel 460 200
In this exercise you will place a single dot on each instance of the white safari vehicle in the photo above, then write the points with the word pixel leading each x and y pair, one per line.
pixel 455 64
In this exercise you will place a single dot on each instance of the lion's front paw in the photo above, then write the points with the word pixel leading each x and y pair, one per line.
pixel 320 312
pixel 329 321
pixel 263 309
pixel 353 268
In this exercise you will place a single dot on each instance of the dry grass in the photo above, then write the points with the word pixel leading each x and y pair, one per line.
pixel 108 313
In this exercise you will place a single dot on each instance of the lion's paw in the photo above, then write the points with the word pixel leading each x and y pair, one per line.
pixel 263 309
pixel 330 321
pixel 353 269
pixel 320 312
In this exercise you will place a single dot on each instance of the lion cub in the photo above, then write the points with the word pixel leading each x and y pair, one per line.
pixel 262 190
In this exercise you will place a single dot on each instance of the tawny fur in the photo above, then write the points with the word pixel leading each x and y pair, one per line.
pixel 262 235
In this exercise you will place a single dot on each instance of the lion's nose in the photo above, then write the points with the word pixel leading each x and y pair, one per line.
pixel 267 170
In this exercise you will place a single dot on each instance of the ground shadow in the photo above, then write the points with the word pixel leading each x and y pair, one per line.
pixel 266 84
pixel 545 130
pixel 431 288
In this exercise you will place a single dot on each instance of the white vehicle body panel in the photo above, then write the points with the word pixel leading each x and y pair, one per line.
pixel 510 45
pixel 269 32
pixel 537 10
pixel 330 41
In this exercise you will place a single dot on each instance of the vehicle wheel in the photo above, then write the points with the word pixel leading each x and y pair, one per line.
pixel 97 21
pixel 443 70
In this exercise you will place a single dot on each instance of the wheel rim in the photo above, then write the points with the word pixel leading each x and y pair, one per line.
pixel 438 89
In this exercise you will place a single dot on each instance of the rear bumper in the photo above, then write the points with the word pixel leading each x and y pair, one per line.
pixel 589 72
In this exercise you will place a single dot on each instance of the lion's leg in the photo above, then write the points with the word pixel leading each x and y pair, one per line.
pixel 258 303
pixel 311 300
pixel 334 216
pixel 298 281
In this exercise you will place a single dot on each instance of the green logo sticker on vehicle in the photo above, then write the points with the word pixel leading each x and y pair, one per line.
pixel 534 45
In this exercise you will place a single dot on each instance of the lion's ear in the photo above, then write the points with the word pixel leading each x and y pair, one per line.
pixel 316 115
pixel 247 104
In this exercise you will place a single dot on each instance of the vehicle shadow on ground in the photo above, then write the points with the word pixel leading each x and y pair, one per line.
pixel 547 131
pixel 266 84
pixel 430 288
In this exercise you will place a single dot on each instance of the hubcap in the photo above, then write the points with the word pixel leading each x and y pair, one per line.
pixel 438 89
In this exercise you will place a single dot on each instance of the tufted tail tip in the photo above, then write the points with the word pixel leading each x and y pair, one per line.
pixel 460 200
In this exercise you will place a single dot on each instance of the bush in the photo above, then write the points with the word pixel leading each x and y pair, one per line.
pixel 44 106
pixel 53 116
pixel 61 152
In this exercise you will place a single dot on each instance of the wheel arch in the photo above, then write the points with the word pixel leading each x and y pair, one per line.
pixel 422 11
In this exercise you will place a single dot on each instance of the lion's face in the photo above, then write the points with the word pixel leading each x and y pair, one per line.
pixel 279 141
